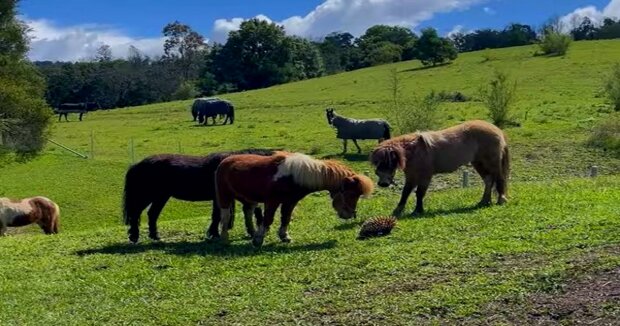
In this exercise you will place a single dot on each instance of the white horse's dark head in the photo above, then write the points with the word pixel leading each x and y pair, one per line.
pixel 329 112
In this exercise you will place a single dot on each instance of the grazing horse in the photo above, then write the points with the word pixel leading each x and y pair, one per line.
pixel 211 107
pixel 285 179
pixel 23 212
pixel 354 129
pixel 423 154
pixel 81 108
pixel 155 179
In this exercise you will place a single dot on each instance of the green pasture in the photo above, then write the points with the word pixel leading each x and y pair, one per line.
pixel 444 267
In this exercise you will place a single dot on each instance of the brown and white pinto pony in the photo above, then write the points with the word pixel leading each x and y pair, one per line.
pixel 283 180
pixel 421 155
pixel 23 212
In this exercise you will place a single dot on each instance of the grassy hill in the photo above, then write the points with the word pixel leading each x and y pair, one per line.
pixel 450 266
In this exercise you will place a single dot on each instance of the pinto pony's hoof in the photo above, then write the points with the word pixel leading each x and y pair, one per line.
pixel 286 239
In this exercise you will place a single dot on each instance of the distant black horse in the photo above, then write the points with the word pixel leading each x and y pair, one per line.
pixel 196 105
pixel 155 179
pixel 81 108
pixel 210 108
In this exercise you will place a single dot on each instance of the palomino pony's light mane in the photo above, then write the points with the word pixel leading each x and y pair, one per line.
pixel 318 174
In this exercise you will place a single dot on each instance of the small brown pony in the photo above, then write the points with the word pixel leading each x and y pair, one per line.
pixel 284 179
pixel 421 155
pixel 38 210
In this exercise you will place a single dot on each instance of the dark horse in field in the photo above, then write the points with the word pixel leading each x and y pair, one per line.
pixel 81 108
pixel 205 108
pixel 155 179
pixel 282 180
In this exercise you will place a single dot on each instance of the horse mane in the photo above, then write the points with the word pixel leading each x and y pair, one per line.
pixel 428 138
pixel 319 174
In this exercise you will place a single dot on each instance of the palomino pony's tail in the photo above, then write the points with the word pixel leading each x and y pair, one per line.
pixel 505 167
pixel 55 218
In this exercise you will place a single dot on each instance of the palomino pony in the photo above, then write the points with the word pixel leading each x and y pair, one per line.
pixel 421 155
pixel 283 180
pixel 157 178
pixel 23 212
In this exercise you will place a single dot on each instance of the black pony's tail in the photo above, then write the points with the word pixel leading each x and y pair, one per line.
pixel 129 194
pixel 386 131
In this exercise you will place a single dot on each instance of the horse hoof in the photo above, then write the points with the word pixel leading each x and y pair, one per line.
pixel 286 240
pixel 502 201
pixel 257 242
pixel 484 204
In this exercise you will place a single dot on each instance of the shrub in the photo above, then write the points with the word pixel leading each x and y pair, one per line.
pixel 612 87
pixel 410 114
pixel 606 134
pixel 555 43
pixel 187 90
pixel 455 96
pixel 498 96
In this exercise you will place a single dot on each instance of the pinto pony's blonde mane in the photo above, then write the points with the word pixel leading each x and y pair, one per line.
pixel 319 174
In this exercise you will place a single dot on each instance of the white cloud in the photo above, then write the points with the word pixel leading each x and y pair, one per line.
pixel 355 16
pixel 73 43
pixel 489 11
pixel 611 10
pixel 221 27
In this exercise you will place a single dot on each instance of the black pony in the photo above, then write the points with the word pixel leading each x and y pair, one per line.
pixel 155 179
pixel 81 108
pixel 205 108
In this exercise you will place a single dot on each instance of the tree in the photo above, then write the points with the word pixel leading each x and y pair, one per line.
pixel 337 50
pixel 585 30
pixel 517 34
pixel 307 59
pixel 24 115
pixel 184 46
pixel 386 44
pixel 433 50
pixel 104 53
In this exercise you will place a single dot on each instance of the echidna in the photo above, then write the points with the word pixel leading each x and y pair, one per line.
pixel 377 226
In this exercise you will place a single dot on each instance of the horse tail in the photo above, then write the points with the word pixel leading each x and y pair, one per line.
pixel 131 196
pixel 505 168
pixel 231 113
pixel 55 218
pixel 386 131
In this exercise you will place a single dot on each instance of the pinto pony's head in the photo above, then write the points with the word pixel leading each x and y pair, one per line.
pixel 387 159
pixel 344 200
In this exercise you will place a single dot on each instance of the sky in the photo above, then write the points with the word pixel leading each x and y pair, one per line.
pixel 71 30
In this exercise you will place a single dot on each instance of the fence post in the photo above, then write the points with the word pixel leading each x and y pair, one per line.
pixel 465 178
pixel 92 144
pixel 593 171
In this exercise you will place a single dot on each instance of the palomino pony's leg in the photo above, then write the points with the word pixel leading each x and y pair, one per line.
pixel 359 150
pixel 153 213
pixel 286 212
pixel 420 192
pixel 487 177
pixel 270 212
pixel 407 189
pixel 500 186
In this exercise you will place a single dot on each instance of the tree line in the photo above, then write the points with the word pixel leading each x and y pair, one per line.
pixel 260 54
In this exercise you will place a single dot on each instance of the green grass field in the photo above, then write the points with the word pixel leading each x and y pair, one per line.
pixel 448 266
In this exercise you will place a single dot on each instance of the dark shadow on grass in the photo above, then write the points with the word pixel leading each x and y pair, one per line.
pixel 425 67
pixel 441 212
pixel 200 125
pixel 205 248
pixel 347 225
pixel 347 157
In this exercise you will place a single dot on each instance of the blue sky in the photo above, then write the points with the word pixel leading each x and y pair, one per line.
pixel 73 29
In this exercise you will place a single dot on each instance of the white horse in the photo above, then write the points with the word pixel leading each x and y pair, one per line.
pixel 23 212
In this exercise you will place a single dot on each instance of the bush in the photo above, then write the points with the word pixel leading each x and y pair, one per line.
pixel 555 43
pixel 186 91
pixel 456 96
pixel 612 87
pixel 606 134
pixel 498 96
pixel 410 114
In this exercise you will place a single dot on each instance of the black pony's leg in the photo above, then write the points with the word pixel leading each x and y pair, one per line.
pixel 81 114
pixel 359 150
pixel 153 213
pixel 344 146
pixel 216 216
pixel 59 116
